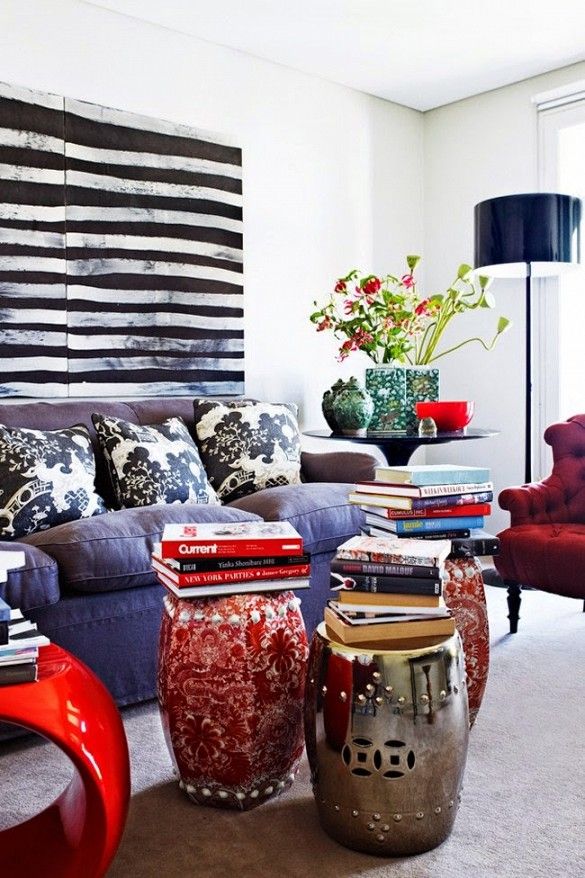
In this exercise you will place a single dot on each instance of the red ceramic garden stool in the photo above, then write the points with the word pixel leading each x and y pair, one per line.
pixel 464 595
pixel 78 835
pixel 231 685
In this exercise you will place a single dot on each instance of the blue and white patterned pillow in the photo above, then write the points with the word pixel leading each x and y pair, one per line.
pixel 46 478
pixel 248 446
pixel 153 464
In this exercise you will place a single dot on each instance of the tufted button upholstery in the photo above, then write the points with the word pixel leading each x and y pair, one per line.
pixel 545 544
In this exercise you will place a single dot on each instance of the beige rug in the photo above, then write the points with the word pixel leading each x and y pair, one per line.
pixel 522 813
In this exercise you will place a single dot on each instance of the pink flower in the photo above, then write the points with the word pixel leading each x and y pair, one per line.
pixel 408 280
pixel 361 338
pixel 349 306
pixel 346 348
pixel 422 307
pixel 325 324
pixel 340 286
pixel 371 286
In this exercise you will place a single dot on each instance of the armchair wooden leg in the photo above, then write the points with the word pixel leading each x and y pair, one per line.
pixel 514 601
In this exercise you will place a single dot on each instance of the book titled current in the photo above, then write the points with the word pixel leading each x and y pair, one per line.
pixel 233 539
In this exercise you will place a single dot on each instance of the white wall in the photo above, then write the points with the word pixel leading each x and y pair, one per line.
pixel 475 149
pixel 332 177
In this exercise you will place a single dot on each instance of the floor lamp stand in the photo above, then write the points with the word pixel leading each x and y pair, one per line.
pixel 528 425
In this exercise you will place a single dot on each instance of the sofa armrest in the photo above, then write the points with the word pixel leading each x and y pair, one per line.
pixel 338 466
pixel 535 503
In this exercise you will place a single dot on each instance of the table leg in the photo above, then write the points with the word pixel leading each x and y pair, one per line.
pixel 396 453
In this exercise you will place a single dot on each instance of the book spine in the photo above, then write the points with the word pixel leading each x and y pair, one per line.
pixel 371 567
pixel 226 548
pixel 426 478
pixel 433 525
pixel 452 500
pixel 185 580
pixel 439 535
pixel 444 511
pixel 472 547
pixel 3 633
pixel 393 584
pixel 213 564
pixel 440 490
pixel 18 674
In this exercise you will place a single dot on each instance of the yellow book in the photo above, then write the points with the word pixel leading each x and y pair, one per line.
pixel 382 599
pixel 388 633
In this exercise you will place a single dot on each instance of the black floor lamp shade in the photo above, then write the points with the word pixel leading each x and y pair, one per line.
pixel 529 235
pixel 540 229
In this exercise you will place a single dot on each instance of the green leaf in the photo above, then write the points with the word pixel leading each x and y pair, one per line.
pixel 487 300
pixel 412 262
pixel 503 324
pixel 484 281
pixel 463 271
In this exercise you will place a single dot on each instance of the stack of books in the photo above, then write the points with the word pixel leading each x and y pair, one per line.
pixel 19 647
pixel 214 559
pixel 388 593
pixel 430 502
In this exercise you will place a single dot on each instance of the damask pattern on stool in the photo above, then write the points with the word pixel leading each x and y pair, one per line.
pixel 46 478
pixel 248 446
pixel 464 595
pixel 152 464
pixel 231 682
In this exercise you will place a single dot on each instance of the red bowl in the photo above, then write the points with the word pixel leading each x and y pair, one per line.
pixel 447 416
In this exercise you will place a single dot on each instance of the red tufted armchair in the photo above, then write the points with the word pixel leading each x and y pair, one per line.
pixel 544 547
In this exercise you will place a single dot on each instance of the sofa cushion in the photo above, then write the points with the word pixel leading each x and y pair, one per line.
pixel 112 551
pixel 47 477
pixel 319 511
pixel 246 447
pixel 153 463
pixel 36 584
pixel 544 556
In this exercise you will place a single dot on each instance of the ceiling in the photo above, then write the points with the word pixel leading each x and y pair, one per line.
pixel 421 53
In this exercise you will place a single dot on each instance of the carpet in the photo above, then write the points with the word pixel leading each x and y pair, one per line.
pixel 522 811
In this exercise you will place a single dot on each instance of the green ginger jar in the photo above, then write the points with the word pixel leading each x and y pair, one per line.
pixel 353 408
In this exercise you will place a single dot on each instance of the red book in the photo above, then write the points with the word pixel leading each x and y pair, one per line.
pixel 218 577
pixel 236 539
pixel 445 512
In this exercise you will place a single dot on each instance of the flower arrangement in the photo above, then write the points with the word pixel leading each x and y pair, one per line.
pixel 387 319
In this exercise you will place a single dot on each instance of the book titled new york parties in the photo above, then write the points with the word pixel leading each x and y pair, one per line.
pixel 242 538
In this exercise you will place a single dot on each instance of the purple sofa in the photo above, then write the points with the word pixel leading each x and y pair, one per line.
pixel 89 584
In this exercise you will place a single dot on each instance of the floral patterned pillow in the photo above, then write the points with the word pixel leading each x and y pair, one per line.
pixel 247 446
pixel 154 463
pixel 46 478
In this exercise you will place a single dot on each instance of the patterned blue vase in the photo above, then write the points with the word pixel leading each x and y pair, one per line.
pixel 395 391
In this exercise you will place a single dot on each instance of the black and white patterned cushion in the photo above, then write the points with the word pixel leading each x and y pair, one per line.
pixel 247 446
pixel 46 478
pixel 154 463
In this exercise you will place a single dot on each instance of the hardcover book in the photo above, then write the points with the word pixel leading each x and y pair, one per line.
pixel 339 565
pixel 209 591
pixel 381 490
pixel 219 577
pixel 461 511
pixel 373 531
pixel 419 629
pixel 387 584
pixel 23 673
pixel 432 474
pixel 375 599
pixel 205 565
pixel 478 542
pixel 393 550
pixel 366 614
pixel 412 526
pixel 233 539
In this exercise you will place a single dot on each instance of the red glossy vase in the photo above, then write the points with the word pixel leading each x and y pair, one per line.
pixel 231 685
pixel 79 833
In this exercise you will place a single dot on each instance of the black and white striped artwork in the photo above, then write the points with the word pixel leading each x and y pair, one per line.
pixel 120 253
